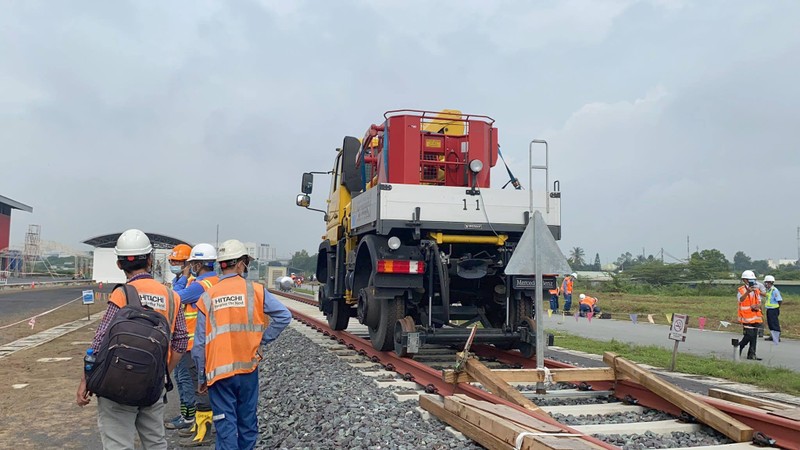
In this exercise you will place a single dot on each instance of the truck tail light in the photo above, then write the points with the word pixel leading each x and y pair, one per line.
pixel 400 266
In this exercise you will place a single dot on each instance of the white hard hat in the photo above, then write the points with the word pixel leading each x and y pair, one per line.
pixel 203 252
pixel 133 242
pixel 748 275
pixel 769 278
pixel 573 275
pixel 231 249
pixel 583 296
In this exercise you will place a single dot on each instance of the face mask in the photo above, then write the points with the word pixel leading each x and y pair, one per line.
pixel 175 269
pixel 244 273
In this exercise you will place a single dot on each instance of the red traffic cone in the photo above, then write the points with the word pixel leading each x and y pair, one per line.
pixel 33 284
pixel 100 285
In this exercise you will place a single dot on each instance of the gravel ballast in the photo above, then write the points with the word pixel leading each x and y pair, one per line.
pixel 310 399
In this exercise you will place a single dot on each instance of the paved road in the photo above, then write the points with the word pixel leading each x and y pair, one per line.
pixel 698 342
pixel 29 302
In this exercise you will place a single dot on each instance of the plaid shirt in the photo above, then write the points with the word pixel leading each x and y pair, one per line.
pixel 180 337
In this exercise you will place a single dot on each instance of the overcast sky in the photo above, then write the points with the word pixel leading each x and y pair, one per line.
pixel 664 118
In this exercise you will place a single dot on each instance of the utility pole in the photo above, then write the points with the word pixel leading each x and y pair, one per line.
pixel 662 255
pixel 217 236
pixel 688 254
pixel 798 245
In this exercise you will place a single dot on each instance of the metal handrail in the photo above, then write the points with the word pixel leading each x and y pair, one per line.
pixel 546 169
pixel 423 114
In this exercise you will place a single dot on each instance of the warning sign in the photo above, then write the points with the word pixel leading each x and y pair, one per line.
pixel 680 324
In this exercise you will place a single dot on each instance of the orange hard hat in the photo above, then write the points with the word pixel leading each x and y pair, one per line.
pixel 181 252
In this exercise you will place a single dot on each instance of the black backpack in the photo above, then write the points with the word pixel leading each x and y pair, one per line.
pixel 131 366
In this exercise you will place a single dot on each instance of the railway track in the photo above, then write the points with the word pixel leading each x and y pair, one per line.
pixel 598 413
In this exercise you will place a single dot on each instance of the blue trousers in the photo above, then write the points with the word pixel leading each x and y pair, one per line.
pixel 567 302
pixel 234 401
pixel 586 308
pixel 183 378
pixel 554 302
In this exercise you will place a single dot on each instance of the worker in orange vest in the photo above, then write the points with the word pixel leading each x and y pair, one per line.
pixel 749 296
pixel 236 319
pixel 566 289
pixel 120 423
pixel 588 304
pixel 178 266
pixel 554 299
pixel 195 419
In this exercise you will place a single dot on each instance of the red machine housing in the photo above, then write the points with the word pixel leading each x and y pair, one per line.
pixel 404 149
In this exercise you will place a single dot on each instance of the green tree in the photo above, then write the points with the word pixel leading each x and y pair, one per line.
pixel 304 262
pixel 708 264
pixel 655 272
pixel 760 266
pixel 741 262
pixel 576 258
pixel 625 261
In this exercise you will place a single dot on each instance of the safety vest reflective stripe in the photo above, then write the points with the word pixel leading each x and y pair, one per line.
pixel 227 368
pixel 770 299
pixel 233 329
pixel 746 301
pixel 190 311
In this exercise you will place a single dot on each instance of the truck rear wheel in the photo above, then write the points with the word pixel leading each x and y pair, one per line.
pixel 339 317
pixel 382 336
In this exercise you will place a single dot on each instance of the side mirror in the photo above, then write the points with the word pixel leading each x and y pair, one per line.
pixel 303 200
pixel 307 184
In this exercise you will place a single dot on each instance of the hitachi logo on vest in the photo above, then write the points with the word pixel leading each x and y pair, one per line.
pixel 228 301
pixel 153 301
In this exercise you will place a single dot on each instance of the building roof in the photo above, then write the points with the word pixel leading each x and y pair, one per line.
pixel 158 241
pixel 13 204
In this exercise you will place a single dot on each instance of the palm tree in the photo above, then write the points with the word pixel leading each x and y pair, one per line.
pixel 576 257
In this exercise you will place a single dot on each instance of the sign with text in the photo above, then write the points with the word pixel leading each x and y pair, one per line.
pixel 680 324
pixel 88 297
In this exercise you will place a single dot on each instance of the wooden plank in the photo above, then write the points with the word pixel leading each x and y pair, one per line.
pixel 508 431
pixel 434 405
pixel 792 414
pixel 748 400
pixel 509 414
pixel 703 412
pixel 496 386
pixel 537 376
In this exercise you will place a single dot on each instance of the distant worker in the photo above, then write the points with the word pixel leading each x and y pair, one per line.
pixel 195 408
pixel 553 299
pixel 566 289
pixel 120 423
pixel 236 319
pixel 772 303
pixel 749 296
pixel 178 266
pixel 588 304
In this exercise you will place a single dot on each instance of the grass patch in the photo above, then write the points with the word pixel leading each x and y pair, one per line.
pixel 776 379
pixel 304 291
pixel 713 308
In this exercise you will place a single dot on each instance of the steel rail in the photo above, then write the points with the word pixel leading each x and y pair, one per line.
pixel 426 376
pixel 786 432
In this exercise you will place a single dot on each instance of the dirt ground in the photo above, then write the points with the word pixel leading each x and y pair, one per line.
pixel 73 311
pixel 44 414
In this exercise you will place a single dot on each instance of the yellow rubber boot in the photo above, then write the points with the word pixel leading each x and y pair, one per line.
pixel 203 425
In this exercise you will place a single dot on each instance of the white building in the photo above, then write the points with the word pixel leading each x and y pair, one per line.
pixel 267 253
pixel 775 263
pixel 105 268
